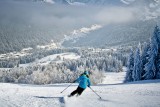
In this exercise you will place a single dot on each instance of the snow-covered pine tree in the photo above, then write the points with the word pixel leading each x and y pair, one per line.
pixel 137 69
pixel 104 67
pixel 144 57
pixel 130 65
pixel 157 33
pixel 158 66
pixel 150 67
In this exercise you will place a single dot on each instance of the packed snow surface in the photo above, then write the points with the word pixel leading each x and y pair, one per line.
pixel 136 94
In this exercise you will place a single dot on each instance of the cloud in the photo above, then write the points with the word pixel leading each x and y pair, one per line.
pixel 115 15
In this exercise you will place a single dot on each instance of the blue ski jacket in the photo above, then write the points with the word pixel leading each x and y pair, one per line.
pixel 83 81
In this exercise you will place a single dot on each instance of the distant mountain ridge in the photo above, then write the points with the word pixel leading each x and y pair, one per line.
pixel 57 1
pixel 86 2
pixel 149 3
pixel 98 2
pixel 146 3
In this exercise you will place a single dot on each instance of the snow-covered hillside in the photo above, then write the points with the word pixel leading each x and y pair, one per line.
pixel 57 58
pixel 136 94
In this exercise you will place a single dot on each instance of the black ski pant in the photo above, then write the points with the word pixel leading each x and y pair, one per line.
pixel 78 91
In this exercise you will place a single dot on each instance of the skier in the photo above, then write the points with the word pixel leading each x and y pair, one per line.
pixel 83 81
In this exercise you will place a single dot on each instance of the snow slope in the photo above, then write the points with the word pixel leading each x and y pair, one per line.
pixel 114 78
pixel 136 94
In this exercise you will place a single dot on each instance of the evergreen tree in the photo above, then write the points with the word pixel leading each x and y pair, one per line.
pixel 144 57
pixel 158 67
pixel 157 33
pixel 150 67
pixel 104 67
pixel 130 65
pixel 136 74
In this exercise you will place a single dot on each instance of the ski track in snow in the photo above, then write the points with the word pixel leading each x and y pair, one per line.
pixel 136 94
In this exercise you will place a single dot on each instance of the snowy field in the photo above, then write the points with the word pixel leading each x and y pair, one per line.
pixel 57 58
pixel 137 94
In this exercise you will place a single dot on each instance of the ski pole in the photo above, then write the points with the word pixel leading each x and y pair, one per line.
pixel 66 87
pixel 95 93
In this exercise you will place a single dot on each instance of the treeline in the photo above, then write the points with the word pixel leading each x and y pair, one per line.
pixel 34 55
pixel 97 62
pixel 49 74
pixel 144 63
